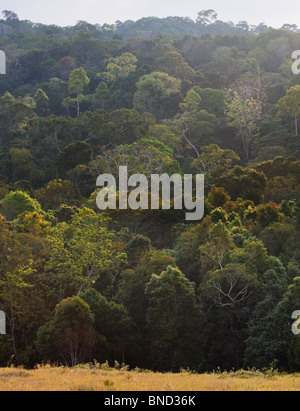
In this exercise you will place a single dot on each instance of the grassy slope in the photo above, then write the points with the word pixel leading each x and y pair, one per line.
pixel 86 379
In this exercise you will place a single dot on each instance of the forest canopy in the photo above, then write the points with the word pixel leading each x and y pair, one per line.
pixel 145 287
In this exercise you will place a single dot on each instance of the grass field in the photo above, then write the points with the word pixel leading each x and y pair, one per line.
pixel 85 378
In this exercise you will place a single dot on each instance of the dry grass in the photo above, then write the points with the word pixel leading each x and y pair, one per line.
pixel 88 378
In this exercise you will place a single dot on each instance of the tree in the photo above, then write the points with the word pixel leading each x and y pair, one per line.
pixel 33 223
pixel 79 153
pixel 77 83
pixel 10 15
pixel 36 63
pixel 42 102
pixel 128 126
pixel 113 326
pixel 267 214
pixel 230 286
pixel 194 123
pixel 244 112
pixel 207 17
pixel 120 66
pixel 70 335
pixel 213 156
pixel 88 51
pixel 290 27
pixel 55 193
pixel 132 287
pixel 14 115
pixel 102 95
pixel 243 26
pixel 289 105
pixel 57 91
pixel 278 237
pixel 16 269
pixel 215 99
pixel 217 249
pixel 16 203
pixel 22 164
pixel 82 250
pixel 63 68
pixel 174 321
pixel 191 102
pixel 142 157
pixel 217 197
pixel 247 184
pixel 158 93
pixel 174 65
pixel 263 345
pixel 166 135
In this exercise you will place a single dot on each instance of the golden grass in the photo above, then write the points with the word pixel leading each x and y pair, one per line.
pixel 85 378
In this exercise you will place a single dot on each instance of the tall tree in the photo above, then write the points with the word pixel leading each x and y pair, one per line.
pixel 174 321
pixel 290 105
pixel 77 83
pixel 16 203
pixel 159 94
pixel 207 17
pixel 10 15
pixel 120 66
pixel 194 123
pixel 82 250
pixel 70 335
pixel 244 111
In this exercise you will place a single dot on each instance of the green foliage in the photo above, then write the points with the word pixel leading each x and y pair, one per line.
pixel 145 157
pixel 288 105
pixel 56 193
pixel 161 96
pixel 174 320
pixel 70 332
pixel 82 250
pixel 73 155
pixel 42 102
pixel 112 325
pixel 158 93
pixel 16 203
pixel 213 98
pixel 244 111
pixel 78 81
pixel 119 67
pixel 174 65
pixel 213 156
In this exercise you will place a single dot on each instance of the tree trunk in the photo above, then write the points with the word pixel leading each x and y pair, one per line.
pixel 78 106
pixel 246 147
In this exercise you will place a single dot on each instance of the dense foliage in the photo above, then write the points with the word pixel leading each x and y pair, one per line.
pixel 144 287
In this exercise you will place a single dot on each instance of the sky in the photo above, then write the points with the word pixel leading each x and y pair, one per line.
pixel 275 13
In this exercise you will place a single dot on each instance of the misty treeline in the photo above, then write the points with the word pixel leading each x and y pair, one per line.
pixel 206 22
pixel 146 288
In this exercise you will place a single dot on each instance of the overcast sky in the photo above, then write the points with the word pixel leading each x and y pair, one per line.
pixel 67 12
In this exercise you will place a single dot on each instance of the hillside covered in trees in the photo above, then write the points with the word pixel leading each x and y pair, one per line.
pixel 146 288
